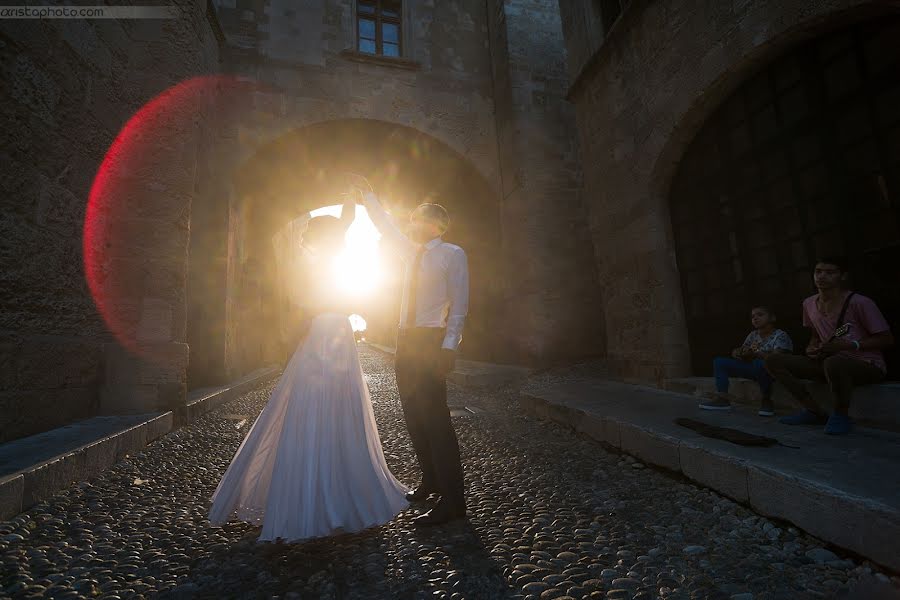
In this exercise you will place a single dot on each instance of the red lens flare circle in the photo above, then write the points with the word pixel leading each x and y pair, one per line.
pixel 136 226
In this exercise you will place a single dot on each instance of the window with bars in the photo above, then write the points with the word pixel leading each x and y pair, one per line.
pixel 378 27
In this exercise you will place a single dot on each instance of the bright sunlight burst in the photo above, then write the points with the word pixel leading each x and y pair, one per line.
pixel 358 323
pixel 357 269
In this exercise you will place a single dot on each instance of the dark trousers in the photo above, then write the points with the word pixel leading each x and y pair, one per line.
pixel 841 372
pixel 423 393
pixel 723 368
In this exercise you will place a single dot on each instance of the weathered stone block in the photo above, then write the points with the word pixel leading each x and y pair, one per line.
pixel 649 446
pixel 722 473
pixel 129 399
pixel 161 363
pixel 564 415
pixel 601 429
pixel 859 524
pixel 45 479
pixel 8 351
pixel 155 324
pixel 11 490
pixel 48 362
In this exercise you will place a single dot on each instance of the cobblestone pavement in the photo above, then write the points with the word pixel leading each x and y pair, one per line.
pixel 551 516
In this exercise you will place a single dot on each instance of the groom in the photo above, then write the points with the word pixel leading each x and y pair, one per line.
pixel 432 312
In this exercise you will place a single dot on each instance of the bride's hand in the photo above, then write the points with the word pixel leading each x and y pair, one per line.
pixel 358 182
pixel 355 195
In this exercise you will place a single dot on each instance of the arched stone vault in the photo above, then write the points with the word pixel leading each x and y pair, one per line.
pixel 634 130
pixel 303 170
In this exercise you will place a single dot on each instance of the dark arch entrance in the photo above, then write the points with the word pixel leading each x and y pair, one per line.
pixel 803 159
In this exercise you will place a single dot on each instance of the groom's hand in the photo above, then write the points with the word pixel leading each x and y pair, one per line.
pixel 358 182
pixel 448 361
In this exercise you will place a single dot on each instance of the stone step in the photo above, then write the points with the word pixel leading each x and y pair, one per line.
pixel 840 489
pixel 875 406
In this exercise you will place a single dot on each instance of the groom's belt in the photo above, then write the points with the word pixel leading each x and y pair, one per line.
pixel 419 341
pixel 419 334
pixel 422 330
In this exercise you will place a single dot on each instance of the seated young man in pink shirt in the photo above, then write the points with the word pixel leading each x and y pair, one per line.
pixel 844 354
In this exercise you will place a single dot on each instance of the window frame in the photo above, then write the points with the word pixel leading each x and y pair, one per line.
pixel 380 19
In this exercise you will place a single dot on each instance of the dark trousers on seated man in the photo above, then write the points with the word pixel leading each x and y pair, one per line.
pixel 841 372
pixel 422 381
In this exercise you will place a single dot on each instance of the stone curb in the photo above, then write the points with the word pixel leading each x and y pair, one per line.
pixel 19 491
pixel 25 488
pixel 863 526
pixel 874 406
pixel 200 403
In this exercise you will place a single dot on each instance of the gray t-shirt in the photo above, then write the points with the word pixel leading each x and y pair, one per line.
pixel 777 340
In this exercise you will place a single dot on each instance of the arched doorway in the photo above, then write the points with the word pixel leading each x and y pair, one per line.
pixel 803 159
pixel 303 171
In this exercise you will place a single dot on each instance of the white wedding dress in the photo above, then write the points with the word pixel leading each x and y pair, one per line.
pixel 312 464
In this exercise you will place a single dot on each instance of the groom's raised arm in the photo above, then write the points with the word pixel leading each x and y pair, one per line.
pixel 388 230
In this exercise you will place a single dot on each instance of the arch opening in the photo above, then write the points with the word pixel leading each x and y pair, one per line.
pixel 302 172
pixel 802 160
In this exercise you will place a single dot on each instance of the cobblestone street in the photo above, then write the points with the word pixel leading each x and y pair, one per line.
pixel 551 515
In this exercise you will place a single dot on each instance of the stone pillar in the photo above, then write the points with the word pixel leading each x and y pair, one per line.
pixel 552 290
pixel 208 255
pixel 142 258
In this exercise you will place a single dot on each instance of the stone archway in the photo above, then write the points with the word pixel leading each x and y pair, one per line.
pixel 799 160
pixel 681 74
pixel 301 171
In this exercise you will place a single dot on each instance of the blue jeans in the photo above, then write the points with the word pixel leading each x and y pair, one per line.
pixel 732 367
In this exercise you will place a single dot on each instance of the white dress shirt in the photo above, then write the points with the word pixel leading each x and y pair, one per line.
pixel 442 295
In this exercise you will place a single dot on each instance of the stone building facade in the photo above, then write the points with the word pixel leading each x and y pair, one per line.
pixel 149 163
pixel 726 145
pixel 472 114
pixel 627 176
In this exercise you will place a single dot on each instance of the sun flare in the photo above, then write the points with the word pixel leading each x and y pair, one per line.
pixel 358 323
pixel 357 269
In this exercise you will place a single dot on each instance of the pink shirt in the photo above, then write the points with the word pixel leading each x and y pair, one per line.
pixel 864 318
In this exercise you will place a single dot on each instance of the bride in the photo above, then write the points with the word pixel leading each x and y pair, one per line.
pixel 312 464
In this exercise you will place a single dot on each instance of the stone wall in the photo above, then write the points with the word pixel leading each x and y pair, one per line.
pixel 68 87
pixel 441 88
pixel 553 292
pixel 641 96
pixel 445 88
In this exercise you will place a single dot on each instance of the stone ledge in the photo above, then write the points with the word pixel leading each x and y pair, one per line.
pixel 859 513
pixel 860 524
pixel 873 405
pixel 200 402
pixel 11 489
pixel 34 468
pixel 78 452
